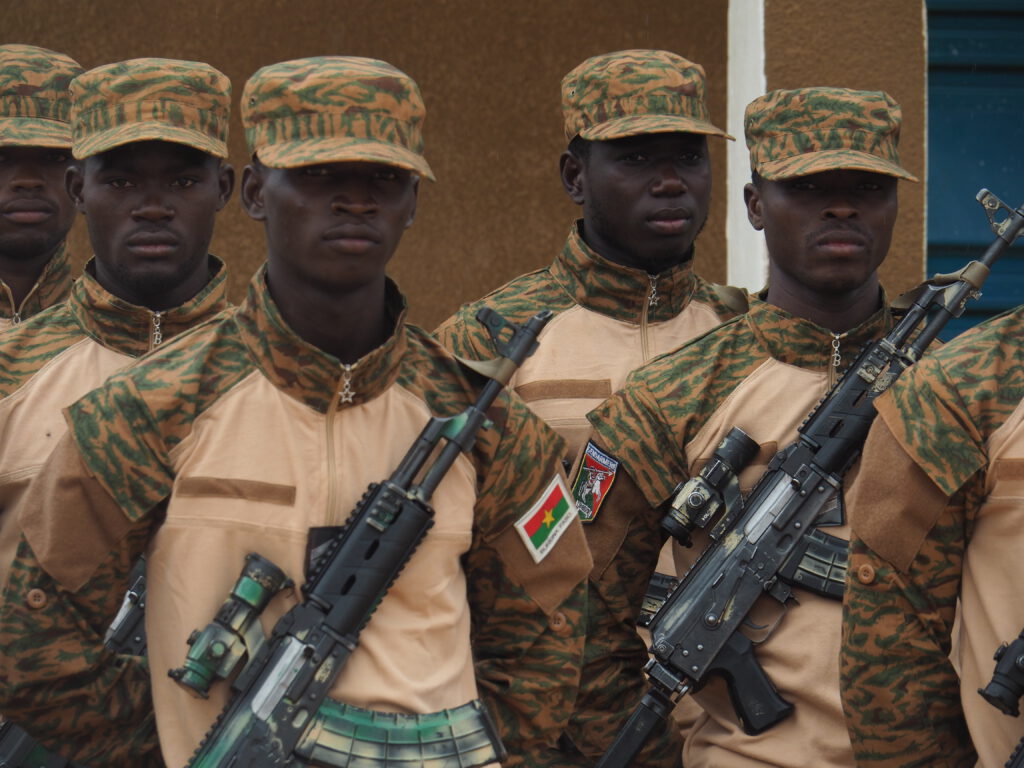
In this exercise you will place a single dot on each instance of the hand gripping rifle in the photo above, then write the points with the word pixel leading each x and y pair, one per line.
pixel 696 633
pixel 278 693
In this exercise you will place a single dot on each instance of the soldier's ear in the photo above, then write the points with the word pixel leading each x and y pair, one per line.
pixel 752 197
pixel 226 183
pixel 573 170
pixel 415 199
pixel 252 191
pixel 73 183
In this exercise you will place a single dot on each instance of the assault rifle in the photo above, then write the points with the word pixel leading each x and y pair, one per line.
pixel 127 632
pixel 696 633
pixel 1006 687
pixel 278 694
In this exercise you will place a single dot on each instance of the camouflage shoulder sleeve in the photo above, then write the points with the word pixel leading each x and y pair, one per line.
pixel 26 348
pixel 517 301
pixel 58 680
pixel 526 569
pixel 631 426
pixel 900 692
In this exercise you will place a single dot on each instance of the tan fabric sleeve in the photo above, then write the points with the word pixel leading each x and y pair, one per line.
pixel 892 503
pixel 69 519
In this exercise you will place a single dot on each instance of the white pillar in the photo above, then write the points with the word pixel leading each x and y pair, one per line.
pixel 747 255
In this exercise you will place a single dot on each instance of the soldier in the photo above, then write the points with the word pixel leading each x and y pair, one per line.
pixel 35 210
pixel 623 286
pixel 272 421
pixel 825 169
pixel 150 184
pixel 933 587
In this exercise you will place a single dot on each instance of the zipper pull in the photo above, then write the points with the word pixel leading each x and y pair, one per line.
pixel 652 298
pixel 158 334
pixel 16 318
pixel 347 392
pixel 837 359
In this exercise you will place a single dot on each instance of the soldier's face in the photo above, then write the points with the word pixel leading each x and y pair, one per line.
pixel 330 227
pixel 35 210
pixel 151 207
pixel 644 198
pixel 827 232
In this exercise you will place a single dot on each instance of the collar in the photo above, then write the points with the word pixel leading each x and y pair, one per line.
pixel 621 292
pixel 797 341
pixel 52 287
pixel 135 330
pixel 307 373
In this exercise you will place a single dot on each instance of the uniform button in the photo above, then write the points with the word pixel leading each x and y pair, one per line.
pixel 865 574
pixel 36 599
pixel 559 624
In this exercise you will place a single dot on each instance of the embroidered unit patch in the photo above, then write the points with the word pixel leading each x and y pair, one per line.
pixel 593 481
pixel 543 525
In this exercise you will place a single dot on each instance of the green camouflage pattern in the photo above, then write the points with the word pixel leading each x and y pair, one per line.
pixel 580 276
pixel 810 130
pixel 627 93
pixel 185 102
pixel 52 287
pixel 91 312
pixel 900 691
pixel 647 424
pixel 125 433
pixel 330 109
pixel 34 102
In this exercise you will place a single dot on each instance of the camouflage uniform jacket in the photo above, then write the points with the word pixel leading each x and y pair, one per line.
pixel 51 360
pixel 939 522
pixel 239 437
pixel 609 320
pixel 763 372
pixel 52 287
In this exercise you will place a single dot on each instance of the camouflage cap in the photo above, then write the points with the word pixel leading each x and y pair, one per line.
pixel 334 109
pixel 632 92
pixel 34 100
pixel 808 130
pixel 185 102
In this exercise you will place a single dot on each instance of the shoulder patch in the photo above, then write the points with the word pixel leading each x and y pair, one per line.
pixel 545 522
pixel 593 481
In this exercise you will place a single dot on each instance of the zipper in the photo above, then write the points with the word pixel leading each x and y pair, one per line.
pixel 16 318
pixel 342 394
pixel 652 301
pixel 156 335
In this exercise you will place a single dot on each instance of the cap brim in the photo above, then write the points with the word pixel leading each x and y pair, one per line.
pixel 635 125
pixel 295 154
pixel 108 139
pixel 831 160
pixel 34 132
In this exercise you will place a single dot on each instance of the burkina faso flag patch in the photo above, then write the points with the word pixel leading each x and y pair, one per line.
pixel 545 522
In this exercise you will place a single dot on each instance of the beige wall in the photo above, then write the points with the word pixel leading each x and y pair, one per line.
pixel 869 45
pixel 490 73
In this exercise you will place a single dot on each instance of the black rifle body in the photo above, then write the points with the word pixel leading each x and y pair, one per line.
pixel 280 690
pixel 697 633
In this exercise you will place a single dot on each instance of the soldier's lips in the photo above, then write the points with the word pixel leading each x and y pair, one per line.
pixel 153 244
pixel 352 238
pixel 27 211
pixel 670 221
pixel 841 244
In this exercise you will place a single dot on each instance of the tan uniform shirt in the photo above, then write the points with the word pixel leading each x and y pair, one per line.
pixel 51 288
pixel 763 372
pixel 51 361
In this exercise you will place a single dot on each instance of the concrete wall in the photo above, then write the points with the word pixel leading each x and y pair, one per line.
pixel 490 73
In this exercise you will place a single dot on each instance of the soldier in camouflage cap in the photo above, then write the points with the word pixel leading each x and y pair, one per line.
pixel 319 363
pixel 624 291
pixel 150 135
pixel 827 230
pixel 35 211
pixel 808 130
